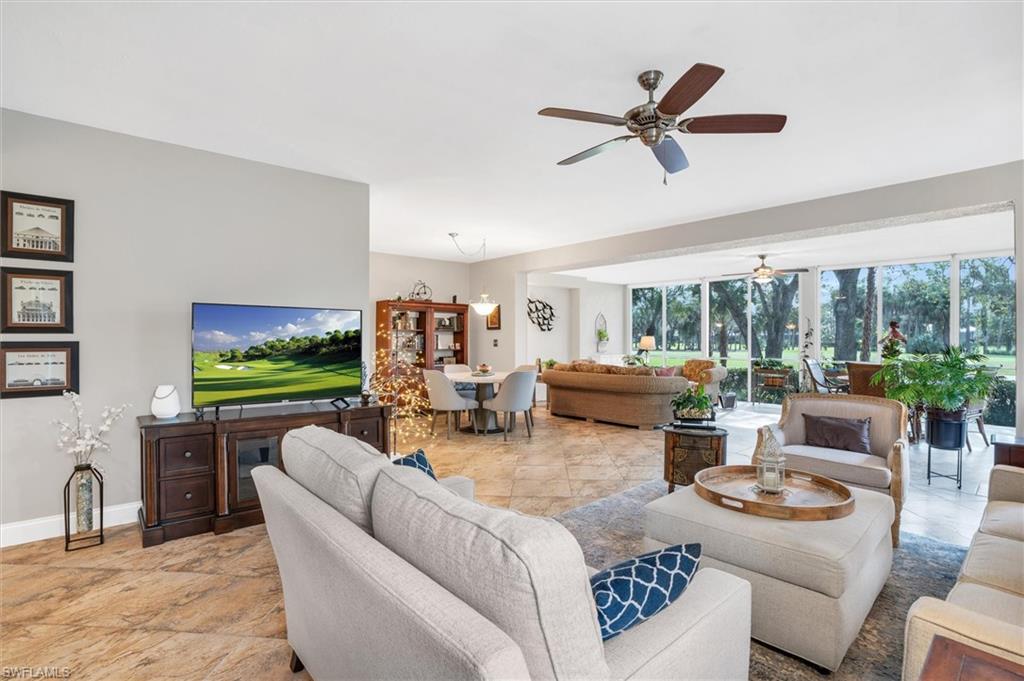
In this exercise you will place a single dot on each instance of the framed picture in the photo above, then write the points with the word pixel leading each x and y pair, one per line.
pixel 37 227
pixel 36 301
pixel 38 368
pixel 494 319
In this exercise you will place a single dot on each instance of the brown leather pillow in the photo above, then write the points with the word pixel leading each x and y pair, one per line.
pixel 837 433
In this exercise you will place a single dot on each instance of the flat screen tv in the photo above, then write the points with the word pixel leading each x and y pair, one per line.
pixel 250 354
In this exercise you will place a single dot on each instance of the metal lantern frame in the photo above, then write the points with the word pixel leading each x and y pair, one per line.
pixel 73 544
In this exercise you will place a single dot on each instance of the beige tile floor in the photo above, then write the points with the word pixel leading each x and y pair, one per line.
pixel 210 607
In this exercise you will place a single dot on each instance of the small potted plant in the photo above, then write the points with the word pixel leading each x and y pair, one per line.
pixel 693 404
pixel 550 363
pixel 943 384
pixel 602 339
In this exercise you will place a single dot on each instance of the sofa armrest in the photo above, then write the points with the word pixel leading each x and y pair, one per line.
pixel 460 485
pixel 705 634
pixel 1006 483
pixel 898 462
pixel 929 617
pixel 713 375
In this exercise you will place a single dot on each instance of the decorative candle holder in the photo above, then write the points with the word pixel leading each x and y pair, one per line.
pixel 771 465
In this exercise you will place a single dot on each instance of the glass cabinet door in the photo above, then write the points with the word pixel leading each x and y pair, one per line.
pixel 250 452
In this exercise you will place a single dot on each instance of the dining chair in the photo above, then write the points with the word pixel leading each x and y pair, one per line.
pixel 444 398
pixel 821 383
pixel 467 390
pixel 533 368
pixel 516 394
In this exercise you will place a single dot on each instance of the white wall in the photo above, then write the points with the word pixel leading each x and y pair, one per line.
pixel 157 227
pixel 396 274
pixel 556 343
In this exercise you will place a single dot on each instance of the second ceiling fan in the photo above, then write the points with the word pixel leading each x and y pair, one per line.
pixel 652 121
pixel 765 273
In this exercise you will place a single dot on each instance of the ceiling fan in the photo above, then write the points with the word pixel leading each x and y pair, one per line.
pixel 652 121
pixel 764 273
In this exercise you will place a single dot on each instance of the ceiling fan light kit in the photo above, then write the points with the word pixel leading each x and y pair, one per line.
pixel 652 121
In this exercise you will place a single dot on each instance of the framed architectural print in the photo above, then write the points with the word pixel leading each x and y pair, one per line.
pixel 37 227
pixel 494 319
pixel 38 368
pixel 36 301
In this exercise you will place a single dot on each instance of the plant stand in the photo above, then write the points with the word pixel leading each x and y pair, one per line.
pixel 959 468
pixel 950 435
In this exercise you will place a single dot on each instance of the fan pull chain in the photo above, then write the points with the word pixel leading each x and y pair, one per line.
pixel 664 180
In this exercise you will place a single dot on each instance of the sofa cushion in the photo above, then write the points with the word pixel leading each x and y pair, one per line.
pixel 823 556
pixel 866 470
pixel 637 589
pixel 834 432
pixel 995 561
pixel 417 460
pixel 988 601
pixel 339 469
pixel 1004 519
pixel 525 574
pixel 693 368
pixel 665 372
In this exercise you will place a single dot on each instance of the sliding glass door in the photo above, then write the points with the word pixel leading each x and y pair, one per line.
pixel 728 304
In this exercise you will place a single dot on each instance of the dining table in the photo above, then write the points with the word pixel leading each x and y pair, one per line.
pixel 486 386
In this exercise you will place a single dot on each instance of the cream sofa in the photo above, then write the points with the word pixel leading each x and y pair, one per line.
pixel 390 575
pixel 985 609
pixel 594 392
pixel 883 470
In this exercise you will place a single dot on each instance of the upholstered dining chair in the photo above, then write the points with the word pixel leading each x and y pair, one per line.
pixel 515 394
pixel 885 469
pixel 533 368
pixel 444 399
pixel 465 389
pixel 820 381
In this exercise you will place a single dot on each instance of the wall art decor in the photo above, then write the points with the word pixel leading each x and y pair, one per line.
pixel 38 368
pixel 541 313
pixel 36 301
pixel 494 319
pixel 420 291
pixel 601 332
pixel 37 227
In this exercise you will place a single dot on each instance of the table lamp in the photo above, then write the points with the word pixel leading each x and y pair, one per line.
pixel 646 344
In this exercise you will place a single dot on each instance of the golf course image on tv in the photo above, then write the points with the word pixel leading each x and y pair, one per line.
pixel 245 354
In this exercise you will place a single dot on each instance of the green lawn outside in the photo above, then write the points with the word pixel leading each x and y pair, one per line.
pixel 273 379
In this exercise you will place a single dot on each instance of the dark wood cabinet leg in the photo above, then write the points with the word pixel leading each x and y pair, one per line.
pixel 296 664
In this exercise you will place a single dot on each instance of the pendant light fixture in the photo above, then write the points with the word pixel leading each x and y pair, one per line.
pixel 483 305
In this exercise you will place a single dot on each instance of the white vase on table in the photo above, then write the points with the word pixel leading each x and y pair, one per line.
pixel 166 404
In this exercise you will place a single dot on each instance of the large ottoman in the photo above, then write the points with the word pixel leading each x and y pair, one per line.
pixel 813 582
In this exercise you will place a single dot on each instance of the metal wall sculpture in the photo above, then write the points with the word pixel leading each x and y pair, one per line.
pixel 541 313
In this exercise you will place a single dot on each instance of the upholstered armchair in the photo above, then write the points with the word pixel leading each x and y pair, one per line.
pixel 885 469
pixel 706 372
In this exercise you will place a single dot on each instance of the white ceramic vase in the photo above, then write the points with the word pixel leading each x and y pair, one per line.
pixel 166 404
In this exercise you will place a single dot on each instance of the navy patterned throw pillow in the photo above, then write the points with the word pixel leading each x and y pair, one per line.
pixel 417 460
pixel 630 592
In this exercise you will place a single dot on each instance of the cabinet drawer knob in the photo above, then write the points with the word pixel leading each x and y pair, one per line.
pixel 188 495
pixel 364 432
pixel 188 455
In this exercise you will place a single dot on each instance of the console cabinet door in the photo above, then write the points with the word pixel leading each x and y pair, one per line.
pixel 246 451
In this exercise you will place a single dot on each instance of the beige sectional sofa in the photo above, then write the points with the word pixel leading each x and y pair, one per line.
pixel 389 575
pixel 630 396
pixel 985 609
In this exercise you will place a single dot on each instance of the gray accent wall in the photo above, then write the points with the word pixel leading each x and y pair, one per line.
pixel 158 226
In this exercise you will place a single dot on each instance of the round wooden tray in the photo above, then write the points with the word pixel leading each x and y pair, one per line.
pixel 807 496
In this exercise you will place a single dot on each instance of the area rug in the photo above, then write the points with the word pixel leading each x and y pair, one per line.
pixel 610 530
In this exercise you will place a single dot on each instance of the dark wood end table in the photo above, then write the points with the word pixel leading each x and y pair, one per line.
pixel 689 450
pixel 1009 451
pixel 950 660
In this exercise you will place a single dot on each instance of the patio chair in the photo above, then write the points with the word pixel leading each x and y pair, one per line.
pixel 821 383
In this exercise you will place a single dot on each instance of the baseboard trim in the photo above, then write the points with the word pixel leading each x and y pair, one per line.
pixel 24 531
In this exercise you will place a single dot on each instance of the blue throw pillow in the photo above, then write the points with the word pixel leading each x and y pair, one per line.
pixel 417 460
pixel 630 592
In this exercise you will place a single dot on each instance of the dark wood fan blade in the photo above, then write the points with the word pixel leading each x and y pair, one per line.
pixel 796 270
pixel 734 123
pixel 690 87
pixel 670 155
pixel 587 116
pixel 738 274
pixel 594 151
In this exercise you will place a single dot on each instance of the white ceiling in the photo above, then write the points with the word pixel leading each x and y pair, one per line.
pixel 434 105
pixel 964 235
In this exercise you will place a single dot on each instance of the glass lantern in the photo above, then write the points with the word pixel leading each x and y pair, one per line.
pixel 771 469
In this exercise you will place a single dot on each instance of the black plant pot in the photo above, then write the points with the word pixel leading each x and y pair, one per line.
pixel 947 429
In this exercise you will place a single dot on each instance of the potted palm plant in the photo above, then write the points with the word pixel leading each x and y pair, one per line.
pixel 942 384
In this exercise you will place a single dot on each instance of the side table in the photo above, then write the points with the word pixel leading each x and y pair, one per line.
pixel 950 660
pixel 1009 451
pixel 689 450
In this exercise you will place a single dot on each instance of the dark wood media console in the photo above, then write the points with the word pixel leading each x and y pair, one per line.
pixel 196 470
